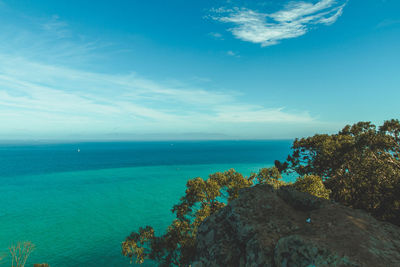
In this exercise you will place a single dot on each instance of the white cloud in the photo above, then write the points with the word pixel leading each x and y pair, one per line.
pixel 231 53
pixel 294 20
pixel 36 97
pixel 216 35
pixel 47 92
pixel 56 27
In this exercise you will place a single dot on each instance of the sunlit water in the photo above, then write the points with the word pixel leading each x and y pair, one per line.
pixel 77 207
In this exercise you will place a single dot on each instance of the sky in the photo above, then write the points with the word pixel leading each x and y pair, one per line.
pixel 172 70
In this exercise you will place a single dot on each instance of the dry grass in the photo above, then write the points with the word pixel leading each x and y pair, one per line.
pixel 20 253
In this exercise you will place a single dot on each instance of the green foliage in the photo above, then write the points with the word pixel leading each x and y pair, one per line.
pixel 313 185
pixel 202 198
pixel 271 176
pixel 136 244
pixel 360 165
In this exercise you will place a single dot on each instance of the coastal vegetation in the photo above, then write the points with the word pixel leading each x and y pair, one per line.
pixel 20 252
pixel 358 167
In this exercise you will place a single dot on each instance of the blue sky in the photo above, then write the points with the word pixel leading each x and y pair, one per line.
pixel 195 69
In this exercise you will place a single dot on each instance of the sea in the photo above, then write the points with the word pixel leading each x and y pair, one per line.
pixel 77 202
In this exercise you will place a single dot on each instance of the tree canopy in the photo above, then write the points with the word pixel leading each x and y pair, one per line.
pixel 358 167
pixel 202 198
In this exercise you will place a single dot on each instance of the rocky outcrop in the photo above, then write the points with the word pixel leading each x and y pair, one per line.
pixel 284 227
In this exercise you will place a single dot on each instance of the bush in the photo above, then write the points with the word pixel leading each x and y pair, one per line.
pixel 313 185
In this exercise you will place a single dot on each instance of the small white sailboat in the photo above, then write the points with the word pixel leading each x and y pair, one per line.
pixel 79 150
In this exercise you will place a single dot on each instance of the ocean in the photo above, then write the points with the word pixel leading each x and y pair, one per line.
pixel 78 201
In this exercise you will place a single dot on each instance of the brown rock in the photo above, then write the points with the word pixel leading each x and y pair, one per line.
pixel 268 227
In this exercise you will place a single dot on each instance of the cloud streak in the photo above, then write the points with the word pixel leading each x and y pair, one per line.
pixel 59 99
pixel 294 20
pixel 46 92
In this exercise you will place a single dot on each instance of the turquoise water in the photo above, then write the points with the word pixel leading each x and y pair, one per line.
pixel 80 217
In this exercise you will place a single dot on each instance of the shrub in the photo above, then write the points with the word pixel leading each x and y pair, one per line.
pixel 313 185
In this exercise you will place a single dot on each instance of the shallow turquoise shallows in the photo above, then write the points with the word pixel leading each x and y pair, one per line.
pixel 80 217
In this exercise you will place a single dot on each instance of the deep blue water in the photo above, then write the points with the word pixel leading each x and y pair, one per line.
pixel 77 207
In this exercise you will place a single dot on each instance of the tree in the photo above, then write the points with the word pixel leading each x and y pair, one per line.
pixel 360 165
pixel 202 198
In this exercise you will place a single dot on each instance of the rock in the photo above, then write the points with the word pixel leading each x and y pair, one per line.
pixel 270 227
pixel 300 200
pixel 294 250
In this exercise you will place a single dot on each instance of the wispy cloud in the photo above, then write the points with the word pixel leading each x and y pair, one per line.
pixel 232 54
pixel 294 20
pixel 387 23
pixel 45 94
pixel 216 35
pixel 56 27
pixel 36 97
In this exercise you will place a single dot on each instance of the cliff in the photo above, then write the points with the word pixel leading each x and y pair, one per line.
pixel 284 227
